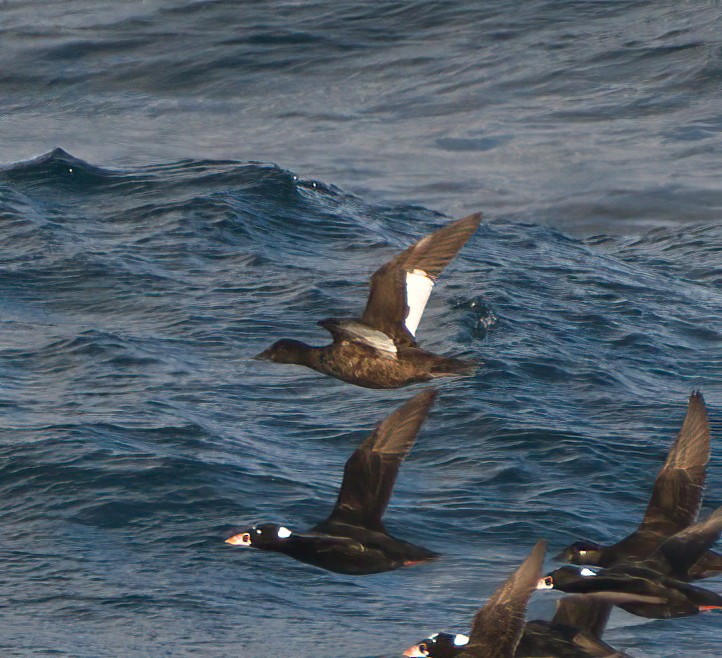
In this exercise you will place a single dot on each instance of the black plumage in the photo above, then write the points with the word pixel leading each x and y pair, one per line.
pixel 634 588
pixel 674 505
pixel 498 626
pixel 575 631
pixel 353 539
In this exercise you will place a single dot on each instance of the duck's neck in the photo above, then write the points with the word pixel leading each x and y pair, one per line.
pixel 308 355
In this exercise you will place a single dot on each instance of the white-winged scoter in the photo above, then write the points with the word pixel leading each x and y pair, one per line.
pixel 379 349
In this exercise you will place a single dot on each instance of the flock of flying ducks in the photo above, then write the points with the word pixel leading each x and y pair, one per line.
pixel 647 573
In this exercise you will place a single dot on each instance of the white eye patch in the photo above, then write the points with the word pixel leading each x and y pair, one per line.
pixel 283 533
pixel 588 572
pixel 461 640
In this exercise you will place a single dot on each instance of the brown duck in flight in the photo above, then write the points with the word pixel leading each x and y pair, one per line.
pixel 379 350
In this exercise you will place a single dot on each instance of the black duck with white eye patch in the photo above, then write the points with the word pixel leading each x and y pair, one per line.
pixel 672 509
pixel 264 536
pixel 353 539
pixel 637 589
pixel 498 626
pixel 439 645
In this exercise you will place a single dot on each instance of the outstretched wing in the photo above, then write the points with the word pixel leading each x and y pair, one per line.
pixel 686 547
pixel 677 492
pixel 498 626
pixel 370 472
pixel 401 287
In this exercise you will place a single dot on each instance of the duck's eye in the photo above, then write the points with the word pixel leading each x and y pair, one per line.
pixel 549 581
pixel 423 648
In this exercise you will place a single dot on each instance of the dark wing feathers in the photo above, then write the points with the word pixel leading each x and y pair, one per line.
pixel 370 472
pixel 498 626
pixel 686 547
pixel 435 251
pixel 622 598
pixel 386 308
pixel 583 612
pixel 677 492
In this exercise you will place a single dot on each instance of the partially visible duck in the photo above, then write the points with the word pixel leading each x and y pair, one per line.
pixel 636 589
pixel 353 539
pixel 688 550
pixel 498 626
pixel 379 349
pixel 575 631
pixel 674 505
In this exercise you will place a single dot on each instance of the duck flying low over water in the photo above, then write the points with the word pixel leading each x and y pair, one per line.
pixel 353 539
pixel 575 631
pixel 636 589
pixel 379 349
pixel 674 505
pixel 498 626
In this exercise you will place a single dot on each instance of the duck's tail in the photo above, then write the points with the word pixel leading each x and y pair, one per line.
pixel 454 367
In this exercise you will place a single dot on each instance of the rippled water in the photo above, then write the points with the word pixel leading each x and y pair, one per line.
pixel 596 115
pixel 136 282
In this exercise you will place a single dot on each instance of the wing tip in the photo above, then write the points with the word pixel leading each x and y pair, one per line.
pixel 696 399
pixel 696 416
pixel 474 218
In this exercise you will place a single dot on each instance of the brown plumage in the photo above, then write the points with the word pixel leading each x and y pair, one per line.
pixel 379 350
pixel 499 625
pixel 371 471
pixel 673 506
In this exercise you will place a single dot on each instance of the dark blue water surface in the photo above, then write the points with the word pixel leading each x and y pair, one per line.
pixel 139 275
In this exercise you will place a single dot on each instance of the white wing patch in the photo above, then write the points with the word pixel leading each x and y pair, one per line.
pixel 283 533
pixel 418 289
pixel 461 640
pixel 376 339
pixel 588 572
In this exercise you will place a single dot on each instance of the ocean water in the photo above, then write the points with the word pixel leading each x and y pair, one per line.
pixel 186 182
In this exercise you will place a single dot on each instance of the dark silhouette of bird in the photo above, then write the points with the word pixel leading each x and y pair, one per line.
pixel 353 539
pixel 674 505
pixel 575 631
pixel 634 588
pixel 498 626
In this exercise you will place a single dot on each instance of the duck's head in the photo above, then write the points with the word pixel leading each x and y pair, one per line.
pixel 567 578
pixel 284 351
pixel 439 645
pixel 581 552
pixel 267 536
